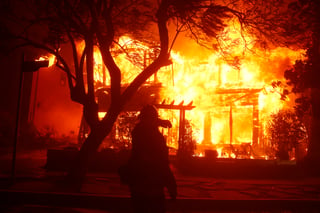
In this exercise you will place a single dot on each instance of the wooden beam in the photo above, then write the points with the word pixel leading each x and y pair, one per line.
pixel 175 107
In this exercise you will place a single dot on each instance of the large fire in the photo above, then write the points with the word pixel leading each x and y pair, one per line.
pixel 232 92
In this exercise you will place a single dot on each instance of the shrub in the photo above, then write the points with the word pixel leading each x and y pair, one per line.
pixel 285 132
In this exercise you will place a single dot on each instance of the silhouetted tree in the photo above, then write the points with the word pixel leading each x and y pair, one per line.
pixel 304 76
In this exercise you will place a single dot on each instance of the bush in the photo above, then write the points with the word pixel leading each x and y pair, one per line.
pixel 286 131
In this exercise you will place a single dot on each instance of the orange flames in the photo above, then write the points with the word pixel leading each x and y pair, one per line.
pixel 232 100
pixel 51 58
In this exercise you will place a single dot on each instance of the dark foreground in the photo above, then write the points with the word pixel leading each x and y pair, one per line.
pixel 36 189
pixel 104 193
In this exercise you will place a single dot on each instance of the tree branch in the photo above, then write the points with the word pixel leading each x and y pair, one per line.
pixel 161 60
pixel 63 66
pixel 105 42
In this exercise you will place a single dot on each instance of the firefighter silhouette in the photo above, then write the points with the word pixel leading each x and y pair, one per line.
pixel 147 172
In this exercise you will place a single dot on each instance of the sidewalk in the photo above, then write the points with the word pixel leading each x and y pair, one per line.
pixel 34 186
pixel 105 192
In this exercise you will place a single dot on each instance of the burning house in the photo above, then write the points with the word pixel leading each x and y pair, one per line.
pixel 219 102
pixel 217 105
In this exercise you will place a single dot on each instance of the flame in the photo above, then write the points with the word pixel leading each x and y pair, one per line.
pixel 130 70
pixel 226 95
pixel 219 150
pixel 204 81
pixel 51 58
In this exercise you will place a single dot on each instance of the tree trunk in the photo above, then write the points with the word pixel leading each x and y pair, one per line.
pixel 97 134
